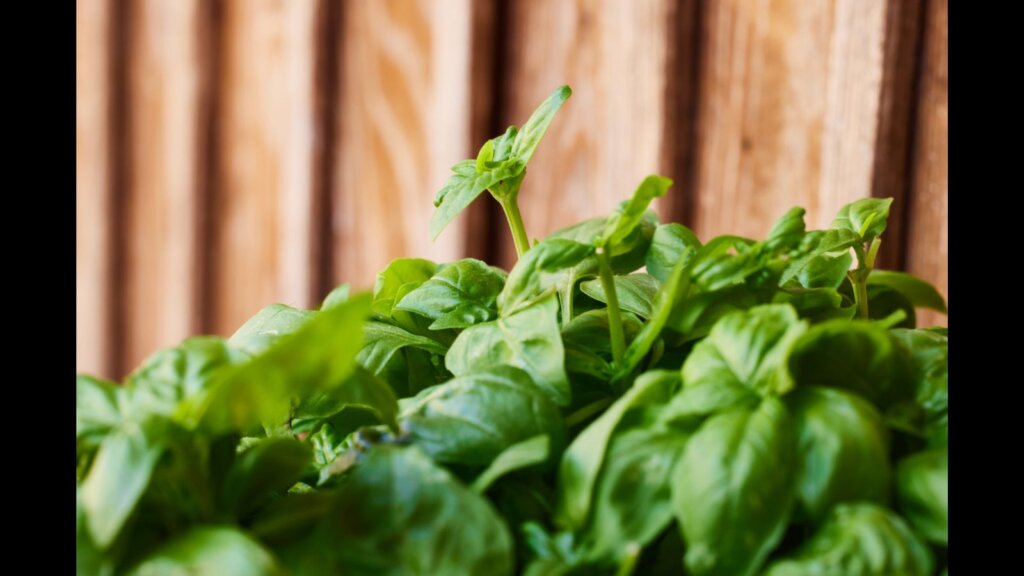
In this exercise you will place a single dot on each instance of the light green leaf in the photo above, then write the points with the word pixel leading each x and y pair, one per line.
pixel 732 490
pixel 464 186
pixel 866 217
pixel 398 273
pixel 859 540
pixel 267 326
pixel 749 348
pixel 473 418
pixel 115 482
pixel 527 339
pixel 542 269
pixel 671 243
pixel 97 409
pixel 339 295
pixel 382 341
pixel 529 135
pixel 210 551
pixel 627 215
pixel 530 452
pixel 460 295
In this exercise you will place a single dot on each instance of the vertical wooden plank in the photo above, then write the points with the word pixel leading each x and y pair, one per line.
pixel 791 110
pixel 405 117
pixel 164 150
pixel 92 187
pixel 267 140
pixel 615 55
pixel 928 230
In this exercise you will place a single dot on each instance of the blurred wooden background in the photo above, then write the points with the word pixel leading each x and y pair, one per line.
pixel 235 153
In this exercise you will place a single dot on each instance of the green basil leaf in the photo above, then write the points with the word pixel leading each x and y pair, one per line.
pixel 382 341
pixel 398 273
pixel 460 295
pixel 816 304
pixel 748 348
pixel 853 355
pixel 671 243
pixel 922 482
pixel 360 390
pixel 581 462
pixel 529 135
pixel 115 482
pixel 339 295
pixel 627 215
pixel 463 187
pixel 316 358
pixel 920 293
pixel 693 404
pixel 636 292
pixel 527 339
pixel 530 452
pixel 544 267
pixel 859 540
pixel 473 418
pixel 929 354
pixel 271 465
pixel 399 513
pixel 788 231
pixel 633 495
pixel 842 449
pixel 866 217
pixel 208 550
pixel 267 326
pixel 732 490
pixel 97 409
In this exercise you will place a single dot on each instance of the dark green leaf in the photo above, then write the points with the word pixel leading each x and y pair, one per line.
pixel 866 217
pixel 527 339
pixel 636 292
pixel 632 499
pixel 922 482
pixel 271 465
pixel 787 231
pixel 360 390
pixel 853 355
pixel 473 418
pixel 530 452
pixel 920 293
pixel 578 471
pixel 461 294
pixel 116 481
pixel 748 348
pixel 859 540
pixel 210 551
pixel 732 489
pixel 399 513
pixel 842 450
pixel 929 354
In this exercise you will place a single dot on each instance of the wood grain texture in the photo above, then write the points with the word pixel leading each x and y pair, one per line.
pixel 93 223
pixel 790 109
pixel 928 229
pixel 268 138
pixel 405 117
pixel 164 153
pixel 611 133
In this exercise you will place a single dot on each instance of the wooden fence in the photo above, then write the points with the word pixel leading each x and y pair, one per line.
pixel 234 153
